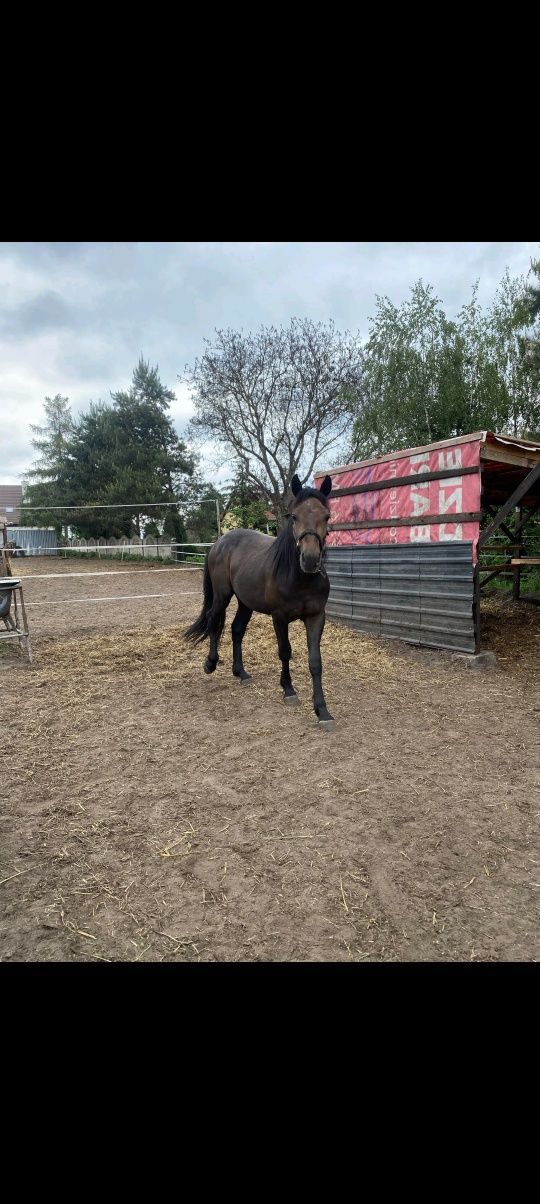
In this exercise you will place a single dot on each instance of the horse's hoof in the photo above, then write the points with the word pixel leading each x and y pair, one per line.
pixel 209 667
pixel 246 681
pixel 327 725
pixel 291 700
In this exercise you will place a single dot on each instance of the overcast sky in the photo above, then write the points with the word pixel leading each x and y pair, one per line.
pixel 75 317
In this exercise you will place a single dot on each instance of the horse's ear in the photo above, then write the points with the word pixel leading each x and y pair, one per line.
pixel 326 486
pixel 296 485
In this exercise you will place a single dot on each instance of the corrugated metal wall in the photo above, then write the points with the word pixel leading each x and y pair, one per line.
pixel 424 594
pixel 35 540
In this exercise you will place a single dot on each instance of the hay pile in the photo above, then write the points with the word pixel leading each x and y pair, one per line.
pixel 163 654
pixel 512 631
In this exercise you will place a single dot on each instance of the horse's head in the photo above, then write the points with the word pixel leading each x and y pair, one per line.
pixel 310 515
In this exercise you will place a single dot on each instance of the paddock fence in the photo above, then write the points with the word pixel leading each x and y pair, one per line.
pixel 154 548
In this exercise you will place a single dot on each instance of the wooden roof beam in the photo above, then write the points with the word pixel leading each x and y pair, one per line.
pixel 515 498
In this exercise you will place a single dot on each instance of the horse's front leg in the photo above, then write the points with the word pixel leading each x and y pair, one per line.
pixel 281 628
pixel 314 629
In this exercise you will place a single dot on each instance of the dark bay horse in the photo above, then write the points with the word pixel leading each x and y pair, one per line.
pixel 282 577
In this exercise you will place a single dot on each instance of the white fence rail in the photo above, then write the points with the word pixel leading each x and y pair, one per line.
pixel 163 549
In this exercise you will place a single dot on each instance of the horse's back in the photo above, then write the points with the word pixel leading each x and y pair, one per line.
pixel 244 537
pixel 236 544
pixel 240 560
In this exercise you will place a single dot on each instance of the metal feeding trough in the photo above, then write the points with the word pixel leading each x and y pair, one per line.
pixel 7 585
pixel 11 596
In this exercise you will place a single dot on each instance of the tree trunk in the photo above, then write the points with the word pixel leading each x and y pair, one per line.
pixel 280 511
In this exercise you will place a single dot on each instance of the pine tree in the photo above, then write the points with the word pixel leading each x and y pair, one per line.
pixel 45 481
pixel 129 452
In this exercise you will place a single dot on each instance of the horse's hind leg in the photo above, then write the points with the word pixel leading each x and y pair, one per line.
pixel 238 627
pixel 216 623
pixel 281 628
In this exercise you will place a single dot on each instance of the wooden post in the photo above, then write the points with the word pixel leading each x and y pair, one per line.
pixel 517 570
pixel 476 607
pixel 26 635
pixel 5 559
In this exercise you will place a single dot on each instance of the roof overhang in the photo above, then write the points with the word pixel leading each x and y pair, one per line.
pixel 504 461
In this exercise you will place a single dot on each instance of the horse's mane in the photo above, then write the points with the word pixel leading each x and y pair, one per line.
pixel 284 555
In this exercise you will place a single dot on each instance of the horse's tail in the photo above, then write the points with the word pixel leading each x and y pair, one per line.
pixel 201 628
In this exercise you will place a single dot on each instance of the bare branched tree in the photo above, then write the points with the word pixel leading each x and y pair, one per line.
pixel 277 400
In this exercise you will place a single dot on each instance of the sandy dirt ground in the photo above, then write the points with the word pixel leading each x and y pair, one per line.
pixel 152 813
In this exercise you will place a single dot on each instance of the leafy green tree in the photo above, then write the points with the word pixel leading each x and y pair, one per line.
pixel 530 346
pixel 532 292
pixel 508 318
pixel 174 526
pixel 245 506
pixel 427 378
pixel 199 509
pixel 413 376
pixel 485 395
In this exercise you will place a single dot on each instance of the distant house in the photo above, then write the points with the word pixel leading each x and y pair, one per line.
pixel 10 501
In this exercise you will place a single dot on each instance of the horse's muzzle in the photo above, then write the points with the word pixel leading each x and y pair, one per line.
pixel 310 563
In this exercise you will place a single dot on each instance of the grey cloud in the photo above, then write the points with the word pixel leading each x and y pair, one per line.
pixel 86 365
pixel 45 311
pixel 32 252
pixel 15 459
